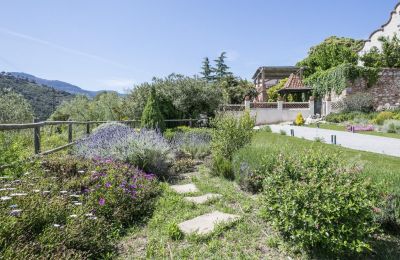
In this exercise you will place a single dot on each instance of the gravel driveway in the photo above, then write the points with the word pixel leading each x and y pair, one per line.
pixel 369 143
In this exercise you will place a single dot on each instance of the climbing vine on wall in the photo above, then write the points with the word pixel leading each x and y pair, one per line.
pixel 337 78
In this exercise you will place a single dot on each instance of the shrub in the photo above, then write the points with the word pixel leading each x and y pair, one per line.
pixel 388 215
pixel 146 149
pixel 282 132
pixel 229 135
pixel 391 126
pixel 383 116
pixel 299 119
pixel 316 203
pixel 361 102
pixel 222 167
pixel 194 143
pixel 251 178
pixel 75 215
pixel 152 117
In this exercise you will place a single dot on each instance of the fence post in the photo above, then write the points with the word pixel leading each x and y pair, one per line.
pixel 69 132
pixel 247 103
pixel 36 137
pixel 280 105
pixel 328 104
pixel 87 128
pixel 190 123
pixel 312 105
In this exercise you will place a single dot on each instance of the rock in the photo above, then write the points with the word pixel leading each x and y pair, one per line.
pixel 186 188
pixel 16 212
pixel 206 224
pixel 5 198
pixel 203 199
pixel 18 195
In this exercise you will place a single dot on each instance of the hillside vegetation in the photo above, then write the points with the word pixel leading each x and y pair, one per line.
pixel 44 100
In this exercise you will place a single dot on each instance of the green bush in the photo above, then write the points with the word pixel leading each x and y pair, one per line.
pixel 229 135
pixel 251 178
pixel 318 204
pixel 222 167
pixel 391 126
pixel 152 117
pixel 383 116
pixel 73 209
pixel 388 214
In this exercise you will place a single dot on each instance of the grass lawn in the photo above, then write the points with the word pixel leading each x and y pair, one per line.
pixel 383 169
pixel 248 238
pixel 338 127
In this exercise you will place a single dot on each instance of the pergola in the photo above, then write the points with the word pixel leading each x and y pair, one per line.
pixel 295 86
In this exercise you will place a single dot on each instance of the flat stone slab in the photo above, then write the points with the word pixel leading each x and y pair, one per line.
pixel 186 188
pixel 205 224
pixel 203 199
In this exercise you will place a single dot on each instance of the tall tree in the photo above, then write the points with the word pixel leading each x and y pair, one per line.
pixel 207 70
pixel 332 52
pixel 152 117
pixel 221 69
pixel 388 57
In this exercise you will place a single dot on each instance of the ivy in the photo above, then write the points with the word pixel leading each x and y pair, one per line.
pixel 337 78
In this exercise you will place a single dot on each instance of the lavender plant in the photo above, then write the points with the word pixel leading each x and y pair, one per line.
pixel 146 149
pixel 196 143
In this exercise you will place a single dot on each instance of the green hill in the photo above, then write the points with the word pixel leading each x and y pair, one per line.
pixel 44 100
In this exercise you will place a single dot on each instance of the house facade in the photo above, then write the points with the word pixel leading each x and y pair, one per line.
pixel 266 77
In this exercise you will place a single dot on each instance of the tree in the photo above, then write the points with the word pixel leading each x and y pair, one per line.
pixel 207 70
pixel 14 108
pixel 388 57
pixel 221 69
pixel 179 97
pixel 152 117
pixel 332 52
pixel 236 89
pixel 273 93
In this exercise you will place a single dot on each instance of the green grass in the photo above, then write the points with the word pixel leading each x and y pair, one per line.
pixel 248 238
pixel 342 128
pixel 383 170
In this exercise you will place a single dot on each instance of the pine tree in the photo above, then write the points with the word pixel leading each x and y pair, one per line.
pixel 152 117
pixel 207 70
pixel 221 70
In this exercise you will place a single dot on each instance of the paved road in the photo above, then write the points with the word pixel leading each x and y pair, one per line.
pixel 370 143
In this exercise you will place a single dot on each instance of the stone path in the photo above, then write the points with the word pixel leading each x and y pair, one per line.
pixel 185 188
pixel 369 143
pixel 204 198
pixel 206 223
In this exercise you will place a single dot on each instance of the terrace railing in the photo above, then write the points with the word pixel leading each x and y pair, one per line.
pixel 264 105
pixel 36 126
pixel 296 105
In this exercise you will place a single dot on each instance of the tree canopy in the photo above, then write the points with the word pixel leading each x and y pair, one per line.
pixel 14 108
pixel 332 52
pixel 388 57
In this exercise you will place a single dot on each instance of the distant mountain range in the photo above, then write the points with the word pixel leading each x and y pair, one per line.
pixel 44 100
pixel 60 85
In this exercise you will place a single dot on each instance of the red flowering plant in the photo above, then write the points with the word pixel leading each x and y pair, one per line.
pixel 120 192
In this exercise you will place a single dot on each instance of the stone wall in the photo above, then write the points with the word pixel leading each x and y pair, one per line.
pixel 385 91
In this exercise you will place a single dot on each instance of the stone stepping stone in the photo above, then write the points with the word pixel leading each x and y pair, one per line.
pixel 206 224
pixel 186 188
pixel 203 199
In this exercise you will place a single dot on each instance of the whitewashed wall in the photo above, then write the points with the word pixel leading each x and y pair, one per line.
pixel 388 30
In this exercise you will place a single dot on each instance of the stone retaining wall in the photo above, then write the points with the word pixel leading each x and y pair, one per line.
pixel 385 91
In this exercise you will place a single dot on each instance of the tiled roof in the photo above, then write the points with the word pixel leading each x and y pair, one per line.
pixel 295 83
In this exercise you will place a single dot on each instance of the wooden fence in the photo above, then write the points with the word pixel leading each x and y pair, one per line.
pixel 37 125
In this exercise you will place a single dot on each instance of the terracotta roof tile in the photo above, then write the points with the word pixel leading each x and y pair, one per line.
pixel 294 82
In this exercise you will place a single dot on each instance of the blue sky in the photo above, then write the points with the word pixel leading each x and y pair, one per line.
pixel 100 44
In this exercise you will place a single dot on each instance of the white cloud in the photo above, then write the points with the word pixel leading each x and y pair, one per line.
pixel 64 49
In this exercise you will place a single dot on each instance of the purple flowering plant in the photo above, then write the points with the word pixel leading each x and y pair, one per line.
pixel 146 149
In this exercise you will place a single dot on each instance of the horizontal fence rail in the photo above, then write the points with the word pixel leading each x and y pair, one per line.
pixel 232 107
pixel 296 105
pixel 36 126
pixel 264 105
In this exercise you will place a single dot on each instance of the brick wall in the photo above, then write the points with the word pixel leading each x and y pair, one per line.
pixel 385 91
